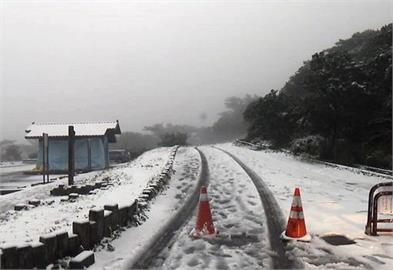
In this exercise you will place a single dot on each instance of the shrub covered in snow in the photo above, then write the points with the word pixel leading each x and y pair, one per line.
pixel 261 144
pixel 311 145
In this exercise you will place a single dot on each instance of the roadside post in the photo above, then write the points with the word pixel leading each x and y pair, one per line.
pixel 71 155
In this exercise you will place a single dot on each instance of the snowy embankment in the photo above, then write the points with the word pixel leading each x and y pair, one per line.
pixel 334 202
pixel 133 240
pixel 54 215
pixel 236 209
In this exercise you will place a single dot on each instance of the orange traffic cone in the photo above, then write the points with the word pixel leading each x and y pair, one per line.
pixel 204 224
pixel 296 228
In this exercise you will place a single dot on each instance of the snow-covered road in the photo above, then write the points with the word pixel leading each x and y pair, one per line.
pixel 236 209
pixel 334 202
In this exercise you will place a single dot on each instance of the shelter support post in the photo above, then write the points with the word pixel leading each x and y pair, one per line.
pixel 71 155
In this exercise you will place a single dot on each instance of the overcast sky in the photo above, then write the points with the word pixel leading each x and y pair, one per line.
pixel 158 61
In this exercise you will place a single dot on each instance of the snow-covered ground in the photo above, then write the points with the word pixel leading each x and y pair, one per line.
pixel 12 177
pixel 39 192
pixel 236 209
pixel 17 227
pixel 334 202
pixel 133 240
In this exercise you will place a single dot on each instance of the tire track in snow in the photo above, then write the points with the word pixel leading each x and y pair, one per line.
pixel 237 214
pixel 274 217
pixel 150 255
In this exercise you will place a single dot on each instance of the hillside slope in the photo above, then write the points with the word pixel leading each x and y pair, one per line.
pixel 342 97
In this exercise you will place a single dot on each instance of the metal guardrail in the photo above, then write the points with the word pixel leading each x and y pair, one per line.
pixel 359 169
pixel 374 169
pixel 378 191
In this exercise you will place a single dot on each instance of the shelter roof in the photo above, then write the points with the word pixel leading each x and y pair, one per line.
pixel 82 129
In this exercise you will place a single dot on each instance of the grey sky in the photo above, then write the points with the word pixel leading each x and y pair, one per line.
pixel 163 61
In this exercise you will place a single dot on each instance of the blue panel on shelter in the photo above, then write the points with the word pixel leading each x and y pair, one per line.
pixel 58 154
pixel 97 153
pixel 81 154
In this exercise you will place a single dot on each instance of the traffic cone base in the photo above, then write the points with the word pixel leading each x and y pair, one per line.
pixel 197 235
pixel 296 227
pixel 306 238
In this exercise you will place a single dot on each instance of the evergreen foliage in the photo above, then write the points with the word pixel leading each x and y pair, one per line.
pixel 175 138
pixel 343 94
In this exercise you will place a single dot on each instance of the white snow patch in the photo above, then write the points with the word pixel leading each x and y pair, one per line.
pixel 334 201
pixel 18 227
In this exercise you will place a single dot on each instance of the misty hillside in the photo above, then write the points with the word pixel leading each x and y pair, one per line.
pixel 337 106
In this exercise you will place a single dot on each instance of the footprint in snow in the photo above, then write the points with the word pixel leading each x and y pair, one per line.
pixel 193 262
pixel 252 203
pixel 231 209
pixel 229 225
pixel 373 259
pixel 223 215
pixel 221 264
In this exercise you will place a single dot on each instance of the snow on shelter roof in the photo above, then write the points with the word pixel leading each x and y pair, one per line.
pixel 86 129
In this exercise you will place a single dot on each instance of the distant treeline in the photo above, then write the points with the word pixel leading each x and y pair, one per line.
pixel 337 106
pixel 10 150
pixel 230 125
